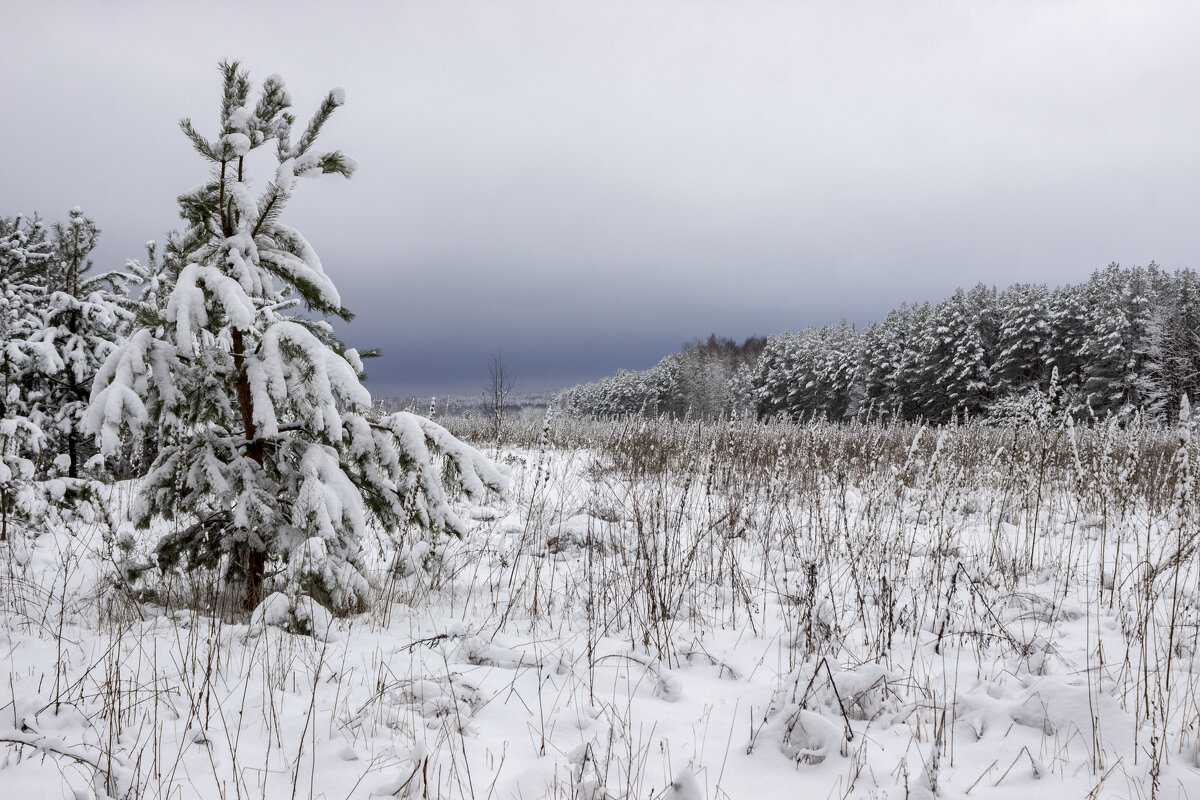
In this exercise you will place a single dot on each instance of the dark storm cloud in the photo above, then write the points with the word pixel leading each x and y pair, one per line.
pixel 589 185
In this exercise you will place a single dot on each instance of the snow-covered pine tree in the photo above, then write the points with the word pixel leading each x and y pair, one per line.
pixel 809 374
pixel 1104 348
pixel 661 388
pixel 802 385
pixel 983 316
pixel 25 251
pixel 1175 336
pixel 1068 334
pixel 1116 368
pixel 964 344
pixel 884 363
pixel 928 356
pixel 837 356
pixel 84 316
pixel 266 440
pixel 1141 299
pixel 1023 339
pixel 741 390
pixel 773 375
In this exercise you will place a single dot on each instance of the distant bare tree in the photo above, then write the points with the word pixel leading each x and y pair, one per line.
pixel 499 386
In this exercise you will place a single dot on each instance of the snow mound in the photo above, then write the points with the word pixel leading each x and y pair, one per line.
pixel 301 615
pixel 804 736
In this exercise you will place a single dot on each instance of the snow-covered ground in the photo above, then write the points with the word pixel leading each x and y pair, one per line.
pixel 618 627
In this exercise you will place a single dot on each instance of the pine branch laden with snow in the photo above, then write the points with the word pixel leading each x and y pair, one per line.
pixel 264 432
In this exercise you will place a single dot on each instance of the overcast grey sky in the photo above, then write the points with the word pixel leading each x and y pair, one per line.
pixel 588 185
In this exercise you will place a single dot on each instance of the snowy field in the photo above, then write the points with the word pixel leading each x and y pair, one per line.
pixel 662 611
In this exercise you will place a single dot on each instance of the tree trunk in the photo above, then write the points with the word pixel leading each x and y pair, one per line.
pixel 76 393
pixel 256 567
pixel 73 454
pixel 256 559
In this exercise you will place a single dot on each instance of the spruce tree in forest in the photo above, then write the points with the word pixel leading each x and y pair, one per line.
pixel 265 435
pixel 1024 339
pixel 1175 337
pixel 926 356
pixel 884 364
pixel 964 340
pixel 1140 298
pixel 25 252
pixel 84 315
pixel 1068 335
pixel 772 379
pixel 1115 351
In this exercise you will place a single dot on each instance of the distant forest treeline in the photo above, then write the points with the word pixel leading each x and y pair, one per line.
pixel 1126 340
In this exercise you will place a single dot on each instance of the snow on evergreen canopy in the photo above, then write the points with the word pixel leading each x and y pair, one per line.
pixel 264 432
pixel 1128 339
pixel 708 379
